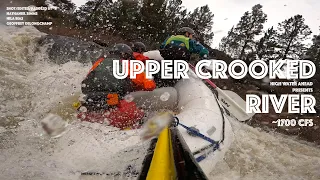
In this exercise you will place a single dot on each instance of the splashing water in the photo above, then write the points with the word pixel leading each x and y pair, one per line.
pixel 31 87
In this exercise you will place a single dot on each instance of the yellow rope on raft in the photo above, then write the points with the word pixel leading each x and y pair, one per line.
pixel 162 164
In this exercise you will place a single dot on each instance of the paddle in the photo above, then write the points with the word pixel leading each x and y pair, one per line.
pixel 231 101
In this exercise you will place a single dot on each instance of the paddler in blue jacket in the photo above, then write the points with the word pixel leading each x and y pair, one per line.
pixel 182 45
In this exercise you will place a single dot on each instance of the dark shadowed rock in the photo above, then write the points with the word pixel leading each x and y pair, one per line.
pixel 216 54
pixel 62 49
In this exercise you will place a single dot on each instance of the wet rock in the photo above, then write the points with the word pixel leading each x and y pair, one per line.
pixel 62 49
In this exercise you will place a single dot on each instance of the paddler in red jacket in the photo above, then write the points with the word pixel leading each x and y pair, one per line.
pixel 105 95
pixel 138 49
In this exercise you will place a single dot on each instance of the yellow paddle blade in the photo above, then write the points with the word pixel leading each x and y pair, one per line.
pixel 162 164
pixel 76 104
pixel 155 125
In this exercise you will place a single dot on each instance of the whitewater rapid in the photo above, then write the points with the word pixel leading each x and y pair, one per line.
pixel 31 86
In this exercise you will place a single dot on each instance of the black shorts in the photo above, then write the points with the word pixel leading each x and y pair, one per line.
pixel 171 53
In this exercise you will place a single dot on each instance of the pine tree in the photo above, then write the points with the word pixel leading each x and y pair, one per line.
pixel 150 21
pixel 93 13
pixel 313 52
pixel 65 6
pixel 226 42
pixel 291 34
pixel 250 25
pixel 175 16
pixel 123 18
pixel 61 16
pixel 201 20
pixel 153 18
pixel 265 48
pixel 240 40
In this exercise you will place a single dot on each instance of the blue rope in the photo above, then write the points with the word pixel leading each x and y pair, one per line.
pixel 202 157
pixel 215 144
pixel 198 134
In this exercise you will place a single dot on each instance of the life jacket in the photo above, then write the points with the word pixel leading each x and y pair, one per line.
pixel 105 101
pixel 178 40
pixel 141 81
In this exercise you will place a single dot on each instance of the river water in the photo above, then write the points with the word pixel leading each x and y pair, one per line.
pixel 31 86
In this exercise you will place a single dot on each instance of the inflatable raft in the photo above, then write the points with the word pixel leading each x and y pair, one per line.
pixel 199 108
pixel 196 107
